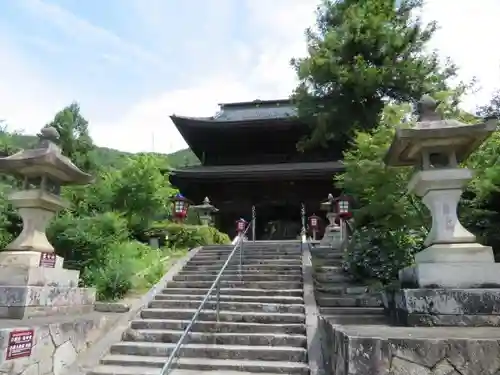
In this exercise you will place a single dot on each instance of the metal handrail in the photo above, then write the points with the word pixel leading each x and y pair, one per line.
pixel 215 285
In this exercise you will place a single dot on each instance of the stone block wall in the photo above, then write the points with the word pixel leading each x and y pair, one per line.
pixel 55 345
pixel 353 353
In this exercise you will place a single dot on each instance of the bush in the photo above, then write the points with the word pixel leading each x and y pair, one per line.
pixel 376 255
pixel 188 236
pixel 85 242
pixel 128 265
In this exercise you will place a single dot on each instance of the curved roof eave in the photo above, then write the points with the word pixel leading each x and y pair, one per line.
pixel 210 122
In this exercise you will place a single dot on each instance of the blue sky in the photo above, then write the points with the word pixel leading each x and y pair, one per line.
pixel 132 63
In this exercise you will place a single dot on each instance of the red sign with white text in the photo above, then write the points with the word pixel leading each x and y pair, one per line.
pixel 20 344
pixel 48 260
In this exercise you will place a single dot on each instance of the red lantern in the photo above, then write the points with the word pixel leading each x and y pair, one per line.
pixel 180 206
pixel 344 207
pixel 314 222
pixel 241 225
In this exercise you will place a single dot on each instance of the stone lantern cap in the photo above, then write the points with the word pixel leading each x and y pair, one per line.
pixel 328 204
pixel 45 159
pixel 435 134
pixel 206 206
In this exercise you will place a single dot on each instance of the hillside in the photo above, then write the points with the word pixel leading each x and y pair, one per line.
pixel 109 156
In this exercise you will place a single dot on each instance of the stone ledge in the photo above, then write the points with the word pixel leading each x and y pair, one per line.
pixel 38 276
pixel 17 302
pixel 361 350
pixel 444 307
pixel 56 344
pixel 112 307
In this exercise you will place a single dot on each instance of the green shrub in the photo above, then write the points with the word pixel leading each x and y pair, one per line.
pixel 378 255
pixel 188 236
pixel 114 278
pixel 85 242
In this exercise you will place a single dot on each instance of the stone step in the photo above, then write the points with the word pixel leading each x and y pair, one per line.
pixel 149 365
pixel 236 271
pixel 298 292
pixel 327 254
pixel 224 316
pixel 237 277
pixel 262 353
pixel 357 319
pixel 247 267
pixel 237 284
pixel 348 301
pixel 236 261
pixel 247 256
pixel 340 310
pixel 250 253
pixel 331 278
pixel 221 327
pixel 229 306
pixel 328 269
pixel 216 338
pixel 335 290
pixel 233 298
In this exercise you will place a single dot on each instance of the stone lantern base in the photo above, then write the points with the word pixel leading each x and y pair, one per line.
pixel 29 289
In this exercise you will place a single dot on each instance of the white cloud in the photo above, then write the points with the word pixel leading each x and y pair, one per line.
pixel 260 70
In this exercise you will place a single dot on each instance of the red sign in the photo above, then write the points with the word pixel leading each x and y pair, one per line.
pixel 20 344
pixel 48 260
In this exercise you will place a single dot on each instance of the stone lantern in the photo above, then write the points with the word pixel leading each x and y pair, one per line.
pixel 205 211
pixel 332 235
pixel 29 263
pixel 448 273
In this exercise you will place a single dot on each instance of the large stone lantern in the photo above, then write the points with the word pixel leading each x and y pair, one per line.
pixel 29 268
pixel 441 280
pixel 43 169
pixel 205 211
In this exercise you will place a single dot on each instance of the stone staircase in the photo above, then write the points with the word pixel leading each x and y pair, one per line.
pixel 262 318
pixel 337 298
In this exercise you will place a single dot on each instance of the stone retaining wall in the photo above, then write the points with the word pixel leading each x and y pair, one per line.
pixel 55 345
pixel 355 351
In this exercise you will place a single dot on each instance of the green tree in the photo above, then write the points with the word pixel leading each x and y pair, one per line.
pixel 390 223
pixel 362 54
pixel 75 140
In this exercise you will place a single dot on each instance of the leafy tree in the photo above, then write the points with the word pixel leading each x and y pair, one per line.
pixel 362 54
pixel 390 223
pixel 492 109
pixel 75 140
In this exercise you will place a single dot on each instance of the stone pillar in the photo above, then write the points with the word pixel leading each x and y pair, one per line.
pixel 451 280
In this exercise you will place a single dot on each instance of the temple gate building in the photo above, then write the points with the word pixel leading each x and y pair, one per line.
pixel 249 157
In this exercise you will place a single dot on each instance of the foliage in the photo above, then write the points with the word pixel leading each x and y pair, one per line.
pixel 188 236
pixel 84 241
pixel 390 223
pixel 74 135
pixel 102 234
pixel 361 55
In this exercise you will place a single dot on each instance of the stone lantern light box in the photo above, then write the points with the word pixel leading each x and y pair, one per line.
pixel 27 287
pixel 452 258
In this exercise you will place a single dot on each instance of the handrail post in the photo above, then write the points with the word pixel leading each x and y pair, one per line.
pixel 303 231
pixel 218 302
pixel 241 257
pixel 254 216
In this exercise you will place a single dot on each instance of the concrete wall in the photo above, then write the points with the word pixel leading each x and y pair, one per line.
pixel 55 345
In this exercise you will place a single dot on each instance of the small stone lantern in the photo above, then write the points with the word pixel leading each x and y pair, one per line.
pixel 332 235
pixel 452 258
pixel 29 265
pixel 205 211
